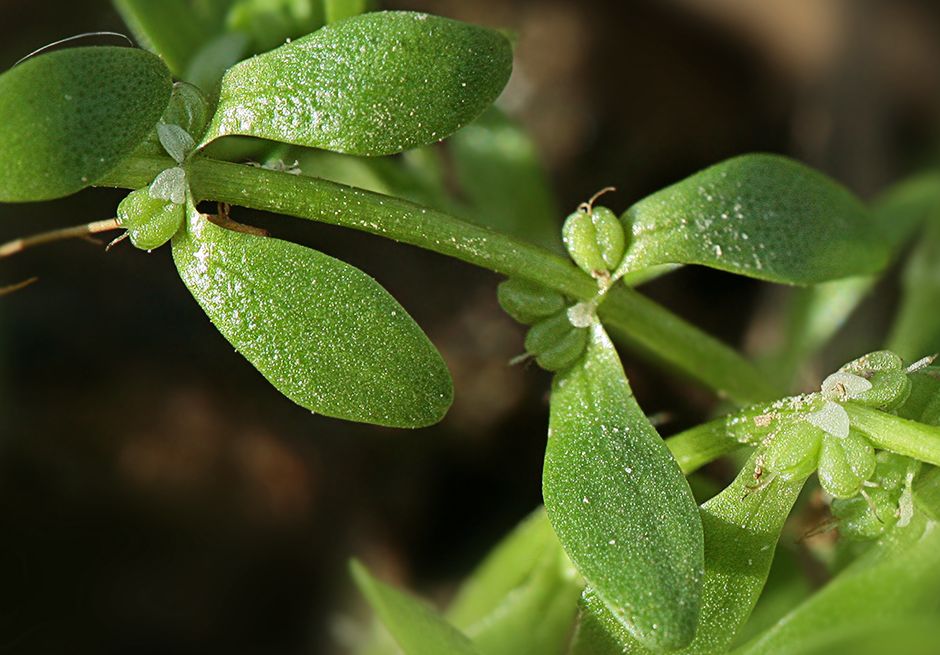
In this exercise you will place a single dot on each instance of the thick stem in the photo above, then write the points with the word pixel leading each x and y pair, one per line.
pixel 646 324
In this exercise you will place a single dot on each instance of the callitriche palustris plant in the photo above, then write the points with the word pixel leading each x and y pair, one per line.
pixel 285 96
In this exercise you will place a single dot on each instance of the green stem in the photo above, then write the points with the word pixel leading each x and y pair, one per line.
pixel 702 444
pixel 646 324
pixel 899 435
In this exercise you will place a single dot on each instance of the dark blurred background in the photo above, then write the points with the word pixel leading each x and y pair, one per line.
pixel 158 496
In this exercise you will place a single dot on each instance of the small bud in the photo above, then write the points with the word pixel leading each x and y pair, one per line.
pixel 528 302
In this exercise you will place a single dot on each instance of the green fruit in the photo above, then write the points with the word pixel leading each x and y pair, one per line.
pixel 555 342
pixel 880 360
pixel 595 240
pixel 861 521
pixel 859 455
pixel 835 470
pixel 889 390
pixel 150 222
pixel 565 352
pixel 793 453
pixel 528 302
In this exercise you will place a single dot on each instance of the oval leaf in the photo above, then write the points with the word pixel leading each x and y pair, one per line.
pixel 762 216
pixel 742 527
pixel 373 84
pixel 68 117
pixel 619 503
pixel 327 335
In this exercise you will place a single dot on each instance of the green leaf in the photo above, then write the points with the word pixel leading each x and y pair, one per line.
pixel 68 117
pixel 762 216
pixel 336 10
pixel 499 172
pixel 916 330
pixel 327 335
pixel 816 313
pixel 209 63
pixel 742 527
pixel 269 23
pixel 504 569
pixel 169 28
pixel 619 503
pixel 417 628
pixel 523 597
pixel 373 84
pixel 535 617
pixel 894 580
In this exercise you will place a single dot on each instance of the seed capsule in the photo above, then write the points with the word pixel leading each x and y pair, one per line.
pixel 595 239
pixel 555 342
pixel 188 108
pixel 150 222
pixel 890 389
pixel 566 352
pixel 880 360
pixel 862 518
pixel 794 451
pixel 836 468
pixel 528 302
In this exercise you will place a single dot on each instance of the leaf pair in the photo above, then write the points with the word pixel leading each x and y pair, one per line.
pixel 365 85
